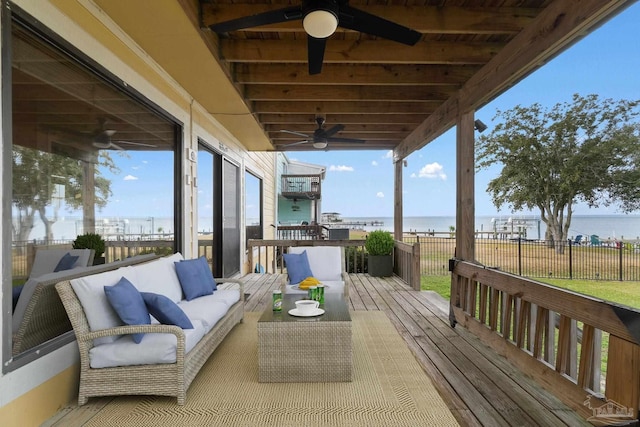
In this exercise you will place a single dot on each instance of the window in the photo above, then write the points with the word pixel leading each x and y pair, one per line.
pixel 87 156
pixel 253 206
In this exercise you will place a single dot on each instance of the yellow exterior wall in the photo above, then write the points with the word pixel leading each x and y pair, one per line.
pixel 41 403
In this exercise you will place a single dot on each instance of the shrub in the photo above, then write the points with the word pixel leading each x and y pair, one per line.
pixel 90 241
pixel 379 242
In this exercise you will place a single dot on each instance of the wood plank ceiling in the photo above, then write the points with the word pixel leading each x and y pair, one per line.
pixel 256 83
pixel 379 89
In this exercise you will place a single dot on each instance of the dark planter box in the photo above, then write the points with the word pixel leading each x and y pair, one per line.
pixel 380 265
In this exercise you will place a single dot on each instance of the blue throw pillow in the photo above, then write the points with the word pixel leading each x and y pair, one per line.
pixel 128 303
pixel 66 262
pixel 166 311
pixel 195 278
pixel 297 267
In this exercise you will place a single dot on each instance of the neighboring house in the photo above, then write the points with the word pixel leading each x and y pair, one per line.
pixel 299 191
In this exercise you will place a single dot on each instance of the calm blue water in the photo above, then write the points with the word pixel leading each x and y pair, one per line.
pixel 605 226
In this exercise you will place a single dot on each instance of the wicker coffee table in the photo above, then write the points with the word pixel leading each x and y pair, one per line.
pixel 306 349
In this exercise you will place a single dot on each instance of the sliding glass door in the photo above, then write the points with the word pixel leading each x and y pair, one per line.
pixel 218 212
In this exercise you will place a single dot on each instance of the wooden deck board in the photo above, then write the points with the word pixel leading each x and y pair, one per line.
pixel 480 387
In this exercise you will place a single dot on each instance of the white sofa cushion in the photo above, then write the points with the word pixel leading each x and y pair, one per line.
pixel 153 349
pixel 325 261
pixel 159 277
pixel 205 309
pixel 90 292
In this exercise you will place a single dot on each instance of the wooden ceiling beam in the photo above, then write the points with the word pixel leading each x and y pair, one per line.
pixel 283 120
pixel 373 136
pixel 346 93
pixel 354 74
pixel 350 128
pixel 344 107
pixel 334 146
pixel 424 19
pixel 361 51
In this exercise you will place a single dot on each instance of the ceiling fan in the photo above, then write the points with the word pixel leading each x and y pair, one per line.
pixel 320 18
pixel 321 138
pixel 102 140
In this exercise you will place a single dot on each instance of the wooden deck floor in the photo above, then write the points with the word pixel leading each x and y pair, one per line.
pixel 480 387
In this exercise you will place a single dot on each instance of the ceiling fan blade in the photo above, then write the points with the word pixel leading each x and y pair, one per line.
pixel 136 143
pixel 333 130
pixel 296 143
pixel 304 135
pixel 315 48
pixel 348 140
pixel 258 20
pixel 358 20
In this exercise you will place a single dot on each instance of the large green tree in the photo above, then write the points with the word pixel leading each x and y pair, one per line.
pixel 580 151
pixel 43 182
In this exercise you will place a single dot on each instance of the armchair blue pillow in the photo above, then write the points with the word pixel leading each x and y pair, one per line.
pixel 66 262
pixel 195 278
pixel 297 267
pixel 128 303
pixel 166 311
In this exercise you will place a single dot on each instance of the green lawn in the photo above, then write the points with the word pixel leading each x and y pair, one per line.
pixel 627 293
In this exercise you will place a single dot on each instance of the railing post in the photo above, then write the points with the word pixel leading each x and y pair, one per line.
pixel 620 245
pixel 415 274
pixel 519 256
pixel 570 260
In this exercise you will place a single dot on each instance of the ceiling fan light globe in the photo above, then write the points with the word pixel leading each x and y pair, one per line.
pixel 320 24
pixel 320 145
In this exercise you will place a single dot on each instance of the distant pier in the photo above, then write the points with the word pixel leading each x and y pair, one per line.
pixel 353 224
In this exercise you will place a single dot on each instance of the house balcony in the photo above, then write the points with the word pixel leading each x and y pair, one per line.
pixel 301 187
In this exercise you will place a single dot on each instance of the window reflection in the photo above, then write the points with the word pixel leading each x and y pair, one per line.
pixel 87 159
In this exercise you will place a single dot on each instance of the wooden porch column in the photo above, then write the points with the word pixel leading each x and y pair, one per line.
pixel 397 201
pixel 465 184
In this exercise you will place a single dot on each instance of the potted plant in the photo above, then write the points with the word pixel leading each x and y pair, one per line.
pixel 379 246
pixel 91 241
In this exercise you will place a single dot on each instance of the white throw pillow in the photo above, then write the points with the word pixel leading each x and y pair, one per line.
pixel 159 276
pixel 96 306
pixel 325 261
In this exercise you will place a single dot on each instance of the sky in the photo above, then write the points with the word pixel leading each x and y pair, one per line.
pixel 360 183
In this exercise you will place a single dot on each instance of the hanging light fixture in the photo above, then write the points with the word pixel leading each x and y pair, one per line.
pixel 322 19
pixel 320 145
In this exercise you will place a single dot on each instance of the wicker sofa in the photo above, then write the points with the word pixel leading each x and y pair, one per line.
pixel 168 358
pixel 39 315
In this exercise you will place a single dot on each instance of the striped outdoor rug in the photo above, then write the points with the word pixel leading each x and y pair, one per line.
pixel 389 389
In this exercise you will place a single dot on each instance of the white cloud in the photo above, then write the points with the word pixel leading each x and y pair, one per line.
pixel 340 168
pixel 389 154
pixel 380 195
pixel 413 175
pixel 374 163
pixel 433 171
pixel 130 178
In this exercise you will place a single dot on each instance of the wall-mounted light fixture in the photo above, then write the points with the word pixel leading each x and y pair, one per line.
pixel 479 126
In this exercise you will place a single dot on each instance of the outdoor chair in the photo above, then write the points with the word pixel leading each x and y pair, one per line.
pixel 326 263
